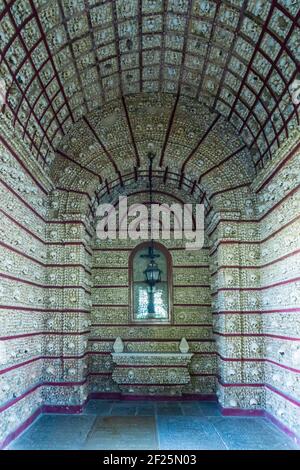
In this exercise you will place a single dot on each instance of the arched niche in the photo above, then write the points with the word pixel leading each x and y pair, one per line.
pixel 139 295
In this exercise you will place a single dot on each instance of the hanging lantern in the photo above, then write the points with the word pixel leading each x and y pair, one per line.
pixel 152 273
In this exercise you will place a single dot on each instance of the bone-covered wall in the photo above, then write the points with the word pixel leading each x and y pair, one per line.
pixel 278 204
pixel 23 259
pixel 191 316
pixel 64 297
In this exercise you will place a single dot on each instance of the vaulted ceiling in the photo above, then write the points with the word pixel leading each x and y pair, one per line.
pixel 62 60
pixel 195 149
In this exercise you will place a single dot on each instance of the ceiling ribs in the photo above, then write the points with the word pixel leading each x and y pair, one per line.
pixel 92 36
pixel 249 64
pixel 261 134
pixel 50 57
pixel 221 162
pixel 163 44
pixel 196 148
pixel 140 44
pixel 138 162
pixel 76 162
pixel 209 44
pixel 107 153
pixel 117 43
pixel 108 187
pixel 230 51
pixel 169 128
pixel 36 74
pixel 78 76
pixel 156 174
pixel 279 98
pixel 185 41
pixel 265 81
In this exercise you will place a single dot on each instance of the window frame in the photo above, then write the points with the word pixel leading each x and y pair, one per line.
pixel 169 262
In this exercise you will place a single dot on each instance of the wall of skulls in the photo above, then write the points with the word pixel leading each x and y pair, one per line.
pixel 111 316
pixel 23 296
pixel 59 314
pixel 279 220
pixel 235 279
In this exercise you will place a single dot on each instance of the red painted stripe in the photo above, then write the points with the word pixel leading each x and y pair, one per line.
pixel 159 325
pixel 32 234
pixel 52 333
pixel 25 167
pixel 34 260
pixel 13 435
pixel 42 286
pixel 153 340
pixel 287 196
pixel 256 335
pixel 232 188
pixel 42 358
pixel 114 286
pixel 267 386
pixel 259 359
pixel 43 310
pixel 256 312
pixel 24 255
pixel 290 155
pixel 22 200
pixel 88 353
pixel 256 221
pixel 36 387
pixel 270 263
pixel 271 286
pixel 46 221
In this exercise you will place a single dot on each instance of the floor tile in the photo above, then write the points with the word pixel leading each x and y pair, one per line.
pixel 123 409
pixel 249 434
pixel 185 425
pixel 147 409
pixel 57 432
pixel 190 409
pixel 209 409
pixel 168 408
pixel 187 433
pixel 122 433
pixel 98 407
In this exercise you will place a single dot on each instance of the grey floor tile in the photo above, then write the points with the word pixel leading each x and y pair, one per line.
pixel 147 409
pixel 168 408
pixel 209 409
pixel 123 433
pixel 123 409
pixel 187 433
pixel 57 432
pixel 106 424
pixel 250 434
pixel 98 407
pixel 190 409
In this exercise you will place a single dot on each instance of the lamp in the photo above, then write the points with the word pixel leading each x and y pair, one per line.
pixel 152 273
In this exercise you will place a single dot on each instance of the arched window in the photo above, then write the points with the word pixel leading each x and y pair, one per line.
pixel 150 274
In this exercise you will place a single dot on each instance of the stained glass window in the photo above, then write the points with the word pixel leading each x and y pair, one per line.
pixel 150 303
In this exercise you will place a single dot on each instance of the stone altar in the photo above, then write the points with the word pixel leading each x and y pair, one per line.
pixel 165 373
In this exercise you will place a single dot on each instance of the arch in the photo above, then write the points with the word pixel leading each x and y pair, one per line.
pixel 239 76
pixel 159 247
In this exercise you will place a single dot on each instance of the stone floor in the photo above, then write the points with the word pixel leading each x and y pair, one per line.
pixel 112 425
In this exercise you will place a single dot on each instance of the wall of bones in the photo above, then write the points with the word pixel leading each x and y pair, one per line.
pixel 191 315
pixel 64 297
